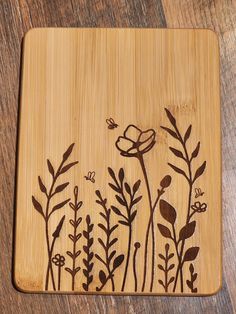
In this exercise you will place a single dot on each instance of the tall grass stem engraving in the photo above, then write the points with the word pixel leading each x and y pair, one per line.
pixel 126 198
pixel 110 262
pixel 48 211
pixel 191 178
pixel 75 222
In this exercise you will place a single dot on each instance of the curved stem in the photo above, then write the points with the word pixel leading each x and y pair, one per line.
pixel 59 278
pixel 140 158
pixel 128 257
pixel 134 269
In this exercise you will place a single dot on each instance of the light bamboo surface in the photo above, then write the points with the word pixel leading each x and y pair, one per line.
pixel 73 81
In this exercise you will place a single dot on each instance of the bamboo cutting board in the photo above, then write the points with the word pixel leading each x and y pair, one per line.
pixel 119 162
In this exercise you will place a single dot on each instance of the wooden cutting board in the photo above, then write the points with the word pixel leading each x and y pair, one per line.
pixel 119 162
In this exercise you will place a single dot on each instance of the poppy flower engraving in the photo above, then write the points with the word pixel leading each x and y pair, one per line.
pixel 135 141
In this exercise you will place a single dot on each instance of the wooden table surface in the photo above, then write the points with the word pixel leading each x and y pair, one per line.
pixel 16 18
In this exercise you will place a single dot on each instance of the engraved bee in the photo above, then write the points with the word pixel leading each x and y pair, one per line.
pixel 198 192
pixel 90 176
pixel 111 124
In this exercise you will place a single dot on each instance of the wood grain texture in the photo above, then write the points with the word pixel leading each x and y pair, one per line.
pixel 73 81
pixel 16 17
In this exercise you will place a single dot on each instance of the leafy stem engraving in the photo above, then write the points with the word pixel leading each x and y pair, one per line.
pixel 126 198
pixel 75 222
pixel 190 177
pixel 108 229
pixel 48 211
pixel 89 254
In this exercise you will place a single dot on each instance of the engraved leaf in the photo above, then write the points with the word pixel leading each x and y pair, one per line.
pixel 136 186
pixel 61 187
pixel 56 233
pixel 90 279
pixel 69 253
pixel 171 132
pixel 167 211
pixel 112 242
pixel 68 152
pixel 69 270
pixel 196 151
pixel 187 231
pixel 120 200
pixel 90 227
pixel 113 228
pixel 60 205
pixel 118 261
pixel 98 193
pixel 164 231
pixel 100 259
pixel 114 187
pixel 125 223
pixel 171 280
pixel 102 276
pixel 133 215
pixel 77 269
pixel 127 188
pixel 77 253
pixel 102 227
pixel 71 237
pixel 135 201
pixel 200 171
pixel 191 268
pixel 50 167
pixel 102 243
pixel 72 222
pixel 42 186
pixel 85 234
pixel 177 152
pixel 187 134
pixel 37 206
pixel 67 167
pixel 171 267
pixel 121 175
pixel 116 210
pixel 111 173
pixel 191 254
pixel 178 170
pixel 170 117
pixel 161 267
pixel 162 256
pixel 104 216
pixel 88 220
pixel 161 283
pixel 111 255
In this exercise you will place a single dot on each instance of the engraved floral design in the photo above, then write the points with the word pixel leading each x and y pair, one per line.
pixel 58 260
pixel 199 207
pixel 135 141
